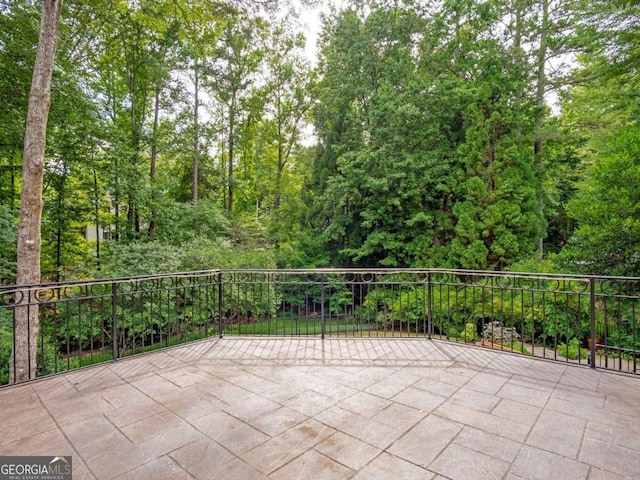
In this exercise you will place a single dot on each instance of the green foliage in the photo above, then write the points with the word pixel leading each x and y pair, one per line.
pixel 153 257
pixel 573 350
pixel 426 124
pixel 469 334
pixel 303 250
pixel 384 168
pixel 178 223
pixel 7 245
pixel 141 258
pixel 397 307
pixel 517 347
pixel 6 343
pixel 607 210
pixel 437 172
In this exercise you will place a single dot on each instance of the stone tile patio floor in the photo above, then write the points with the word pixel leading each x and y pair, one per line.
pixel 303 408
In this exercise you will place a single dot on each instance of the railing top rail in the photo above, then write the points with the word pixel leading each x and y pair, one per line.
pixel 96 281
pixel 319 271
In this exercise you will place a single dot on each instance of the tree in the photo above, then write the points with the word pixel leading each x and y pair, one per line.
pixel 26 325
pixel 18 35
pixel 289 99
pixel 238 58
pixel 383 167
pixel 603 114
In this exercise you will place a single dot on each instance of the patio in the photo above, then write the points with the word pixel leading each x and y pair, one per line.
pixel 296 408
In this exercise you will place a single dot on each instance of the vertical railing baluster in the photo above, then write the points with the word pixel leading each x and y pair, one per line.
pixel 592 313
pixel 114 319
pixel 220 321
pixel 429 307
pixel 322 319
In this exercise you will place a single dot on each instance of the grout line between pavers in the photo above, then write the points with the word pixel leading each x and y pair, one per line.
pixel 86 464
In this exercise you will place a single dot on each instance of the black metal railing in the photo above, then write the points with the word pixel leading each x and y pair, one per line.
pixel 585 320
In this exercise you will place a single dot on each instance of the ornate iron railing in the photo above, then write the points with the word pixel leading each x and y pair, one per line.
pixel 591 321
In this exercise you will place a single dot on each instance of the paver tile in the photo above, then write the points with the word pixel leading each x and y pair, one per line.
pixel 19 425
pixel 390 467
pixel 628 437
pixel 535 464
pixel 154 385
pixel 558 433
pixel 159 427
pixel 484 421
pixel 392 385
pixel 310 403
pixel 235 468
pixel 348 450
pixel 278 421
pixel 312 465
pixel 488 444
pixel 201 457
pixel 611 457
pixel 419 399
pixel 163 468
pixel 251 408
pixel 190 403
pixel 362 428
pixel 426 440
pixel 462 463
pixel 599 474
pixel 274 453
pixel 474 399
pixel 40 444
pixel 524 394
pixel 516 411
pixel 486 382
pixel 233 434
pixel 364 404
pixel 434 386
pixel 399 417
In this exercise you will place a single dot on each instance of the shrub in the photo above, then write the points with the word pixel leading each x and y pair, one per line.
pixel 572 351
pixel 469 334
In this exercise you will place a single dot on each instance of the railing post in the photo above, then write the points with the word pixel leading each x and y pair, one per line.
pixel 220 306
pixel 322 319
pixel 592 313
pixel 114 318
pixel 429 307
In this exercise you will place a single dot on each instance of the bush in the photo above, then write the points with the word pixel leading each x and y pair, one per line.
pixel 6 343
pixel 572 351
pixel 469 334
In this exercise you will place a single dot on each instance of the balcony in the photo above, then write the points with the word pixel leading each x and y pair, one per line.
pixel 329 374
pixel 282 408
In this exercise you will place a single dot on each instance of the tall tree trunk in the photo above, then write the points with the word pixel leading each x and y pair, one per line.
pixel 232 113
pixel 154 157
pixel 13 183
pixel 59 228
pixel 540 89
pixel 96 206
pixel 196 132
pixel 26 323
pixel 280 167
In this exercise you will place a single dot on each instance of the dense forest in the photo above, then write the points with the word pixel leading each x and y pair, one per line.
pixel 189 135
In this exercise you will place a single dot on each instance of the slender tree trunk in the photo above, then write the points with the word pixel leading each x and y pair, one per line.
pixel 232 112
pixel 13 183
pixel 96 206
pixel 26 323
pixel 280 166
pixel 540 89
pixel 154 157
pixel 196 132
pixel 59 228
